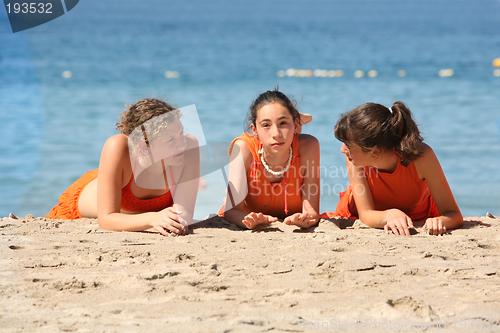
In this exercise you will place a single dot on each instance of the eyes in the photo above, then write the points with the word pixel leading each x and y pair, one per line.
pixel 281 123
pixel 172 139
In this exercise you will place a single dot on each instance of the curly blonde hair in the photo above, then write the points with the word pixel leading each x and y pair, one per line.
pixel 146 120
pixel 140 112
pixel 147 110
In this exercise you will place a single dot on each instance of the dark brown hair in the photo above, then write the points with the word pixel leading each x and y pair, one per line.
pixel 373 125
pixel 269 97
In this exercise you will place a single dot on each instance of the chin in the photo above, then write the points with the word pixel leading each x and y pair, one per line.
pixel 177 162
pixel 174 161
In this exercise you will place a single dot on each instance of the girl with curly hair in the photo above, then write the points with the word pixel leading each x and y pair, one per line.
pixel 147 177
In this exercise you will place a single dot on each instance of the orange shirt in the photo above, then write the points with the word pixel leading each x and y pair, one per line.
pixel 402 189
pixel 276 199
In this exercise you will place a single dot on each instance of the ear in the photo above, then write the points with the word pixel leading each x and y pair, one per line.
pixel 254 130
pixel 297 128
pixel 376 152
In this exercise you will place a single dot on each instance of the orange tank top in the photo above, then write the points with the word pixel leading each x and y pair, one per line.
pixel 67 208
pixel 131 203
pixel 276 199
pixel 402 189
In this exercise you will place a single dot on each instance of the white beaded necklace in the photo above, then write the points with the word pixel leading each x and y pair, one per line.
pixel 268 169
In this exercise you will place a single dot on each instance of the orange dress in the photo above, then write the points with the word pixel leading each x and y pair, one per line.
pixel 67 208
pixel 276 199
pixel 402 189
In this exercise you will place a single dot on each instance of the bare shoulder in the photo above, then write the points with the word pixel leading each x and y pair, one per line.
pixel 307 139
pixel 191 141
pixel 427 156
pixel 115 149
pixel 426 163
pixel 244 150
pixel 116 142
pixel 426 149
pixel 308 144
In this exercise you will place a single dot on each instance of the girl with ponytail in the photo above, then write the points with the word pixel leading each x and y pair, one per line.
pixel 396 181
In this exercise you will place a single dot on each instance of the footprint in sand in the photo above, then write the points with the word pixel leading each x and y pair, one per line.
pixel 412 308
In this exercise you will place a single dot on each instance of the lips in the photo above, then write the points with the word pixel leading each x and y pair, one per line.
pixel 278 144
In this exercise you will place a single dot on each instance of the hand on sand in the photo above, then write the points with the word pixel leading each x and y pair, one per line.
pixel 252 220
pixel 400 224
pixel 435 226
pixel 169 221
pixel 303 220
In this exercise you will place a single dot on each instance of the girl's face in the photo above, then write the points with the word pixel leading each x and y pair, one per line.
pixel 170 145
pixel 356 155
pixel 275 127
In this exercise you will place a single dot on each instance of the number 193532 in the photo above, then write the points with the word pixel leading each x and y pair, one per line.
pixel 29 8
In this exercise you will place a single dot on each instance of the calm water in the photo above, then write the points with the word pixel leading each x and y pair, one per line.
pixel 226 53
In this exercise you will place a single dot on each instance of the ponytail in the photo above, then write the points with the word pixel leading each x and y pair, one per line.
pixel 402 126
pixel 374 125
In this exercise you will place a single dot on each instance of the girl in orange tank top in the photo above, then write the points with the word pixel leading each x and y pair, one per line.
pixel 396 181
pixel 274 173
pixel 147 176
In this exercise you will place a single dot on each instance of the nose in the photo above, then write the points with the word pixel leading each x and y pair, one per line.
pixel 276 132
pixel 181 143
pixel 343 149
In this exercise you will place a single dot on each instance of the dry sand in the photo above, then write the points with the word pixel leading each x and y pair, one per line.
pixel 70 276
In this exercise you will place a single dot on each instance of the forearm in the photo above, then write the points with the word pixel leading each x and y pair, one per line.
pixel 185 199
pixel 185 214
pixel 452 220
pixel 313 213
pixel 126 222
pixel 236 216
pixel 378 218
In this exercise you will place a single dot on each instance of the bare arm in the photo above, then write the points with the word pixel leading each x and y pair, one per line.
pixel 114 173
pixel 186 190
pixel 310 163
pixel 114 169
pixel 363 197
pixel 430 170
pixel 399 221
pixel 241 158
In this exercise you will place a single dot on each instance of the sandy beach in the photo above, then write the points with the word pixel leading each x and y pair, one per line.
pixel 70 276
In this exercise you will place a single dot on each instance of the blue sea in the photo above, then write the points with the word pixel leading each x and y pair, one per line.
pixel 63 84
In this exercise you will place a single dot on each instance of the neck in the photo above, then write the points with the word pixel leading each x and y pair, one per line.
pixel 276 160
pixel 387 162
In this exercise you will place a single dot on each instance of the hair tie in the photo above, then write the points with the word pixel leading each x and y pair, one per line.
pixel 390 110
